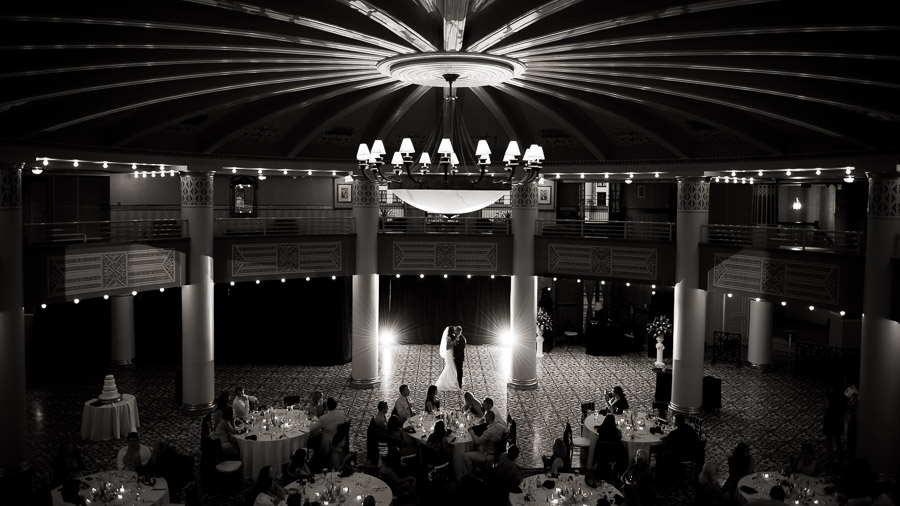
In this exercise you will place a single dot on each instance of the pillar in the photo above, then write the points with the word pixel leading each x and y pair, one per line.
pixel 122 333
pixel 364 315
pixel 523 287
pixel 879 381
pixel 759 334
pixel 197 332
pixel 13 440
pixel 689 325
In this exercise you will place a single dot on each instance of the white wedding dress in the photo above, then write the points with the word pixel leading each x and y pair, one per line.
pixel 446 382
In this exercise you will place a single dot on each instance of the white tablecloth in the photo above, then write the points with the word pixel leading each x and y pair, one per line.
pixel 565 482
pixel 634 441
pixel 274 446
pixel 460 445
pixel 358 486
pixel 109 421
pixel 764 481
pixel 151 495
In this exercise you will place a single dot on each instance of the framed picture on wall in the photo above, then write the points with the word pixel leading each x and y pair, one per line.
pixel 642 191
pixel 344 193
pixel 545 196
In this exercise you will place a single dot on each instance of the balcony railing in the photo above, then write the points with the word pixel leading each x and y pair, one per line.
pixel 427 225
pixel 624 230
pixel 237 227
pixel 100 231
pixel 853 243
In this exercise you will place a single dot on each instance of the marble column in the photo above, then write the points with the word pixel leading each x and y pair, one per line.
pixel 759 334
pixel 364 315
pixel 523 287
pixel 689 325
pixel 13 440
pixel 197 332
pixel 122 332
pixel 879 382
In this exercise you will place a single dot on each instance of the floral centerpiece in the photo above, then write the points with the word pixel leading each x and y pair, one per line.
pixel 658 328
pixel 544 324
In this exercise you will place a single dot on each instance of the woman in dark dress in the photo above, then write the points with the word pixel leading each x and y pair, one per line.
pixel 67 463
pixel 431 404
pixel 616 401
pixel 740 464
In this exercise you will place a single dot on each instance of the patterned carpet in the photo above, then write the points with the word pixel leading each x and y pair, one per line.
pixel 772 411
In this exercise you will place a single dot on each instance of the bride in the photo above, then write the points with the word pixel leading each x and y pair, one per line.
pixel 447 380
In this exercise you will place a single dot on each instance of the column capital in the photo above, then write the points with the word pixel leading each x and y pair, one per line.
pixel 11 185
pixel 693 193
pixel 197 189
pixel 365 193
pixel 524 196
pixel 884 195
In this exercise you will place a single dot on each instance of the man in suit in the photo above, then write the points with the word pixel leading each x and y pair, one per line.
pixel 459 353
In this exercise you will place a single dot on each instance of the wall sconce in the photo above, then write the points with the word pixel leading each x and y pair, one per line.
pixel 797 205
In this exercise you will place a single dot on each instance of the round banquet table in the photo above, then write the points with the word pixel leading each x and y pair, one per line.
pixel 634 440
pixel 109 421
pixel 567 484
pixel 808 490
pixel 274 445
pixel 357 486
pixel 150 495
pixel 461 441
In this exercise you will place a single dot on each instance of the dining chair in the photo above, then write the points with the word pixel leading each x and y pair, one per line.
pixel 291 400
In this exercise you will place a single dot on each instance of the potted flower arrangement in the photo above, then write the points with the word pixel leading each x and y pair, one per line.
pixel 658 328
pixel 544 324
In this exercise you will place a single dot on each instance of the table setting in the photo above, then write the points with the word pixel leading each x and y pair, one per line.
pixel 799 489
pixel 639 431
pixel 331 488
pixel 565 489
pixel 270 438
pixel 420 426
pixel 119 488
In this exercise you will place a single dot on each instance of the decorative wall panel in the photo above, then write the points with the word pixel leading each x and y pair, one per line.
pixel 94 272
pixel 445 256
pixel 801 280
pixel 524 196
pixel 620 262
pixel 10 188
pixel 365 194
pixel 285 258
pixel 196 190
pixel 693 194
pixel 884 197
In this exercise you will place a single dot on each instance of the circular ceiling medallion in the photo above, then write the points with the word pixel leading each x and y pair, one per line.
pixel 474 69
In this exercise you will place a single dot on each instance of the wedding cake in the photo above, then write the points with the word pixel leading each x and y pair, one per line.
pixel 110 393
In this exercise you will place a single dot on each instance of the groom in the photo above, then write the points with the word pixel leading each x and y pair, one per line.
pixel 459 353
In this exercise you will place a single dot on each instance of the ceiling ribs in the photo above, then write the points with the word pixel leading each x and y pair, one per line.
pixel 515 128
pixel 454 24
pixel 409 101
pixel 390 22
pixel 520 23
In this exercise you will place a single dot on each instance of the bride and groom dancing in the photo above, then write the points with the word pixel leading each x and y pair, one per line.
pixel 453 350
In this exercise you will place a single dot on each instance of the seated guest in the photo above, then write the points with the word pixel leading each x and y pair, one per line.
pixel 472 405
pixel 709 493
pixel 393 472
pixel 679 442
pixel 776 498
pixel 221 404
pixel 265 492
pixel 607 431
pixel 327 424
pixel 243 404
pixel 559 460
pixel 609 447
pixel 70 492
pixel 498 416
pixel 740 464
pixel 316 408
pixel 439 442
pixel 164 462
pixel 487 442
pixel 616 401
pixel 225 432
pixel 67 463
pixel 805 462
pixel 297 468
pixel 402 406
pixel 133 455
pixel 508 471
pixel 339 457
pixel 638 482
pixel 381 417
pixel 393 436
pixel 431 404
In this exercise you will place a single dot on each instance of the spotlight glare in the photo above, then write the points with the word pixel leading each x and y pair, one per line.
pixel 307 278
pixel 46 162
pixel 162 290
pixel 283 280
pixel 729 295
pixel 421 276
pixel 758 299
pixel 398 276
pixel 233 170
pixel 468 276
pixel 582 175
pixel 653 292
pixel 492 276
pixel 842 313
pixel 105 165
pixel 105 297
pixel 333 278
pixel 387 337
pixel 43 306
pixel 656 174
pixel 818 172
pixel 76 301
pixel 784 303
pixel 334 173
pixel 133 166
pixel 75 164
pixel 578 281
pixel 554 279
pixel 653 287
pixel 812 307
pixel 445 276
pixel 309 173
pixel 257 281
pixel 134 293
pixel 759 173
pixel 788 172
pixel 232 283
pixel 284 172
pixel 627 284
pixel 602 281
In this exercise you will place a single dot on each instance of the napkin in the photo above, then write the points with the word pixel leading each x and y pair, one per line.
pixel 748 490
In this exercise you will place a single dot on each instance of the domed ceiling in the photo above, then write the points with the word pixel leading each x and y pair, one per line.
pixel 639 84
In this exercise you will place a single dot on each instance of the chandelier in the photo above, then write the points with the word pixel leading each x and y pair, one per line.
pixel 447 159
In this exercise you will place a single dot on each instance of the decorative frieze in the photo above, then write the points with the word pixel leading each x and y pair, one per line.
pixel 620 262
pixel 95 272
pixel 285 258
pixel 445 256
pixel 811 281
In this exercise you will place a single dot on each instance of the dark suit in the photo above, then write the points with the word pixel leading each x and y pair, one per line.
pixel 459 356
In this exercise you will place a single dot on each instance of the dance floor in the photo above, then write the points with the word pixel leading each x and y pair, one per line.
pixel 772 411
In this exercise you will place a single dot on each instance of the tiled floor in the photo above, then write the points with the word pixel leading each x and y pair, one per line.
pixel 772 411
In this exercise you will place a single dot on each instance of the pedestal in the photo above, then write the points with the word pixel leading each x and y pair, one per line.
pixel 759 338
pixel 122 333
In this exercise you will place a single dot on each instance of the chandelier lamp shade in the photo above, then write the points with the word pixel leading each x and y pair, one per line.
pixel 445 156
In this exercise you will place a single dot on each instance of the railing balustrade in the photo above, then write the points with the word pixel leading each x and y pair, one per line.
pixel 624 230
pixel 100 231
pixel 235 227
pixel 428 225
pixel 785 237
